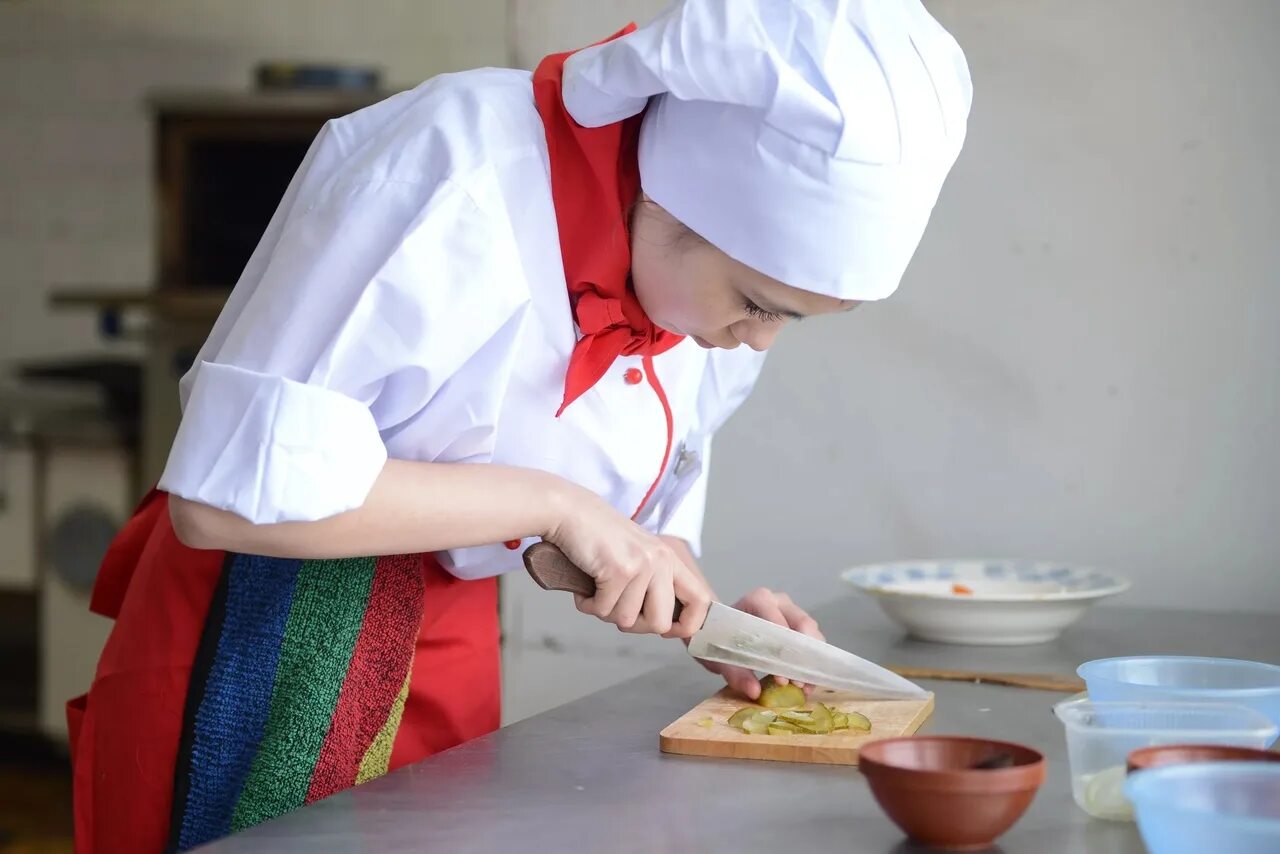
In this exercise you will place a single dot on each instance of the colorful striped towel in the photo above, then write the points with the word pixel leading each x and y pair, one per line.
pixel 297 688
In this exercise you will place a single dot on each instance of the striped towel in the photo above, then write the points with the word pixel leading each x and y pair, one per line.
pixel 297 688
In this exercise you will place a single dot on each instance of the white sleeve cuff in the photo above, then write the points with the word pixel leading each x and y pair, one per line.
pixel 271 449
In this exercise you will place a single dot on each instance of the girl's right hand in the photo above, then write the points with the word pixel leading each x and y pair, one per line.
pixel 638 576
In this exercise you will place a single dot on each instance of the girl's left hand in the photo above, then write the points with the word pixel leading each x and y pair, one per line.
pixel 776 608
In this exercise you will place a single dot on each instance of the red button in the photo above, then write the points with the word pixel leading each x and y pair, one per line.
pixel 512 544
pixel 633 376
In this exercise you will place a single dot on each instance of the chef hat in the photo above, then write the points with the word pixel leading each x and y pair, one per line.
pixel 808 139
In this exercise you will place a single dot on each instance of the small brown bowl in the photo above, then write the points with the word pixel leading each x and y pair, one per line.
pixel 1182 754
pixel 930 787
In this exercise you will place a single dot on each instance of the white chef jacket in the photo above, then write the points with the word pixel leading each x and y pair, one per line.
pixel 408 300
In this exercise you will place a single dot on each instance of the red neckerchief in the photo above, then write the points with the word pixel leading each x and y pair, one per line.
pixel 595 179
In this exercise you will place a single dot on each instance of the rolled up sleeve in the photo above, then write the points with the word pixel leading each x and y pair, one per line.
pixel 345 329
pixel 271 449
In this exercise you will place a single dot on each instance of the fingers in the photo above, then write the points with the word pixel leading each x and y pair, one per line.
pixel 743 681
pixel 779 608
pixel 638 575
pixel 739 679
pixel 659 604
pixel 799 619
pixel 695 599
pixel 656 606
pixel 609 589
pixel 626 613
pixel 636 591
pixel 764 604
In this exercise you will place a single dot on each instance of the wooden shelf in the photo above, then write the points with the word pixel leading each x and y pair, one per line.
pixel 216 102
pixel 186 304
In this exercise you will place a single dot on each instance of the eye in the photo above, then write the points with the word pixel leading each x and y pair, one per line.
pixel 756 311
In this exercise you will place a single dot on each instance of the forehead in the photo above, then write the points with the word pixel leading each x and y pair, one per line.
pixel 790 298
pixel 783 297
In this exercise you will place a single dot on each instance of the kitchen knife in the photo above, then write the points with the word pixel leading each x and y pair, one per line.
pixel 730 636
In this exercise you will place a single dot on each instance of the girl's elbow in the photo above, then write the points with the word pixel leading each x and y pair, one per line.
pixel 195 524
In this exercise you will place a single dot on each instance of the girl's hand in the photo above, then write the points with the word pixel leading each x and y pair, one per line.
pixel 639 577
pixel 776 608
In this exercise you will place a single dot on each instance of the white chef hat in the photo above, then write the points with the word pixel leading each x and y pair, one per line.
pixel 808 139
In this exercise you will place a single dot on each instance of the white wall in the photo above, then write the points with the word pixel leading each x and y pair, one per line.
pixel 1080 364
pixel 1082 360
pixel 75 145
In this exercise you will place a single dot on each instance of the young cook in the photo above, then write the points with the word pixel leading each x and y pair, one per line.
pixel 490 310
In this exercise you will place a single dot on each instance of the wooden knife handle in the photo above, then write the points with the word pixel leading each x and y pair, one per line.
pixel 552 570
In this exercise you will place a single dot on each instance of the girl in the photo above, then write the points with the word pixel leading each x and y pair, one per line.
pixel 489 311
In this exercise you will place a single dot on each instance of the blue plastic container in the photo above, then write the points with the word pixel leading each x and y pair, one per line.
pixel 1208 807
pixel 1184 679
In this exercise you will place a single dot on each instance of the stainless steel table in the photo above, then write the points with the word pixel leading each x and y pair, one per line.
pixel 588 777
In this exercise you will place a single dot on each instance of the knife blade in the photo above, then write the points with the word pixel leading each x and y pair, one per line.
pixel 730 636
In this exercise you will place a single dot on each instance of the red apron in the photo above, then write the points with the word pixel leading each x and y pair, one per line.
pixel 377 663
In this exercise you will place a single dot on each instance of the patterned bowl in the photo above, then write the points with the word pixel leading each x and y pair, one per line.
pixel 984 602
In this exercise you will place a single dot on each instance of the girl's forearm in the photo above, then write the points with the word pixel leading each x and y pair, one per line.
pixel 413 507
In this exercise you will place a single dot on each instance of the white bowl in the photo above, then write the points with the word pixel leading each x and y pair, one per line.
pixel 984 602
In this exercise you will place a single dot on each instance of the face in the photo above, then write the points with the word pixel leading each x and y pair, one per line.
pixel 689 287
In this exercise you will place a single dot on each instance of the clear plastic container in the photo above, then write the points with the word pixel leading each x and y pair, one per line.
pixel 1185 679
pixel 1101 735
pixel 1208 807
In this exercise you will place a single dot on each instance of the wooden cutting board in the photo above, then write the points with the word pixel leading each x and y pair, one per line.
pixel 889 718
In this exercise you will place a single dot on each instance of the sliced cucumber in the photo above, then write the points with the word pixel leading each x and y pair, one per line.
pixel 758 722
pixel 858 721
pixel 775 696
pixel 819 720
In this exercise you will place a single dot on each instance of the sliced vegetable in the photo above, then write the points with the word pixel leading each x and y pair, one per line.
pixel 775 696
pixel 816 726
pixel 819 720
pixel 961 590
pixel 1104 794
pixel 796 716
pixel 706 722
pixel 858 721
pixel 758 723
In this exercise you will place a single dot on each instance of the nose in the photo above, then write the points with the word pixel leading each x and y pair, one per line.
pixel 723 340
pixel 757 336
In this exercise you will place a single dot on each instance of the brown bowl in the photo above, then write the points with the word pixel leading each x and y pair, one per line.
pixel 1182 754
pixel 930 788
